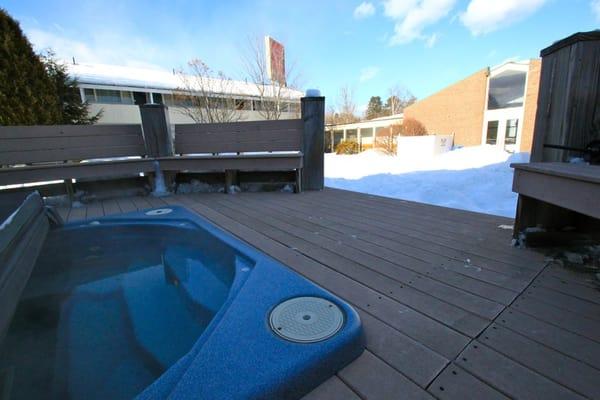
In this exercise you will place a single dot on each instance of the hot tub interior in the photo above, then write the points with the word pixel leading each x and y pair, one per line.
pixel 109 308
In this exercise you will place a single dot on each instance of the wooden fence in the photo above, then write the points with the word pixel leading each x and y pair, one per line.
pixel 34 153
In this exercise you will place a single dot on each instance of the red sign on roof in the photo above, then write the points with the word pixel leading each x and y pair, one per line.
pixel 275 60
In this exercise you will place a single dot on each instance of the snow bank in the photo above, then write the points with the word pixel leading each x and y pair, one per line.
pixel 472 178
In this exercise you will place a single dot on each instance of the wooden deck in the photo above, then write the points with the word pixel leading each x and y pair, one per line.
pixel 449 308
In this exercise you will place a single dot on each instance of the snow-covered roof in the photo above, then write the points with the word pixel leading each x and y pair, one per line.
pixel 510 65
pixel 145 78
pixel 386 117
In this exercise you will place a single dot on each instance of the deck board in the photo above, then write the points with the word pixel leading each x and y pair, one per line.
pixel 433 286
pixel 370 256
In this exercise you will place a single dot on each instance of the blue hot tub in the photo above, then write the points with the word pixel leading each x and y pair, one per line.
pixel 162 303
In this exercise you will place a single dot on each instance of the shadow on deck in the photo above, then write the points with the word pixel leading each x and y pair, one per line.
pixel 449 308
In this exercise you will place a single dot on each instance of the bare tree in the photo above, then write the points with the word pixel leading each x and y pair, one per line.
pixel 206 96
pixel 399 98
pixel 275 95
pixel 387 138
pixel 346 106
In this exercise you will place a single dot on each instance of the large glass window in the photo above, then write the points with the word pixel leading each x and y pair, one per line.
pixel 492 132
pixel 512 125
pixel 506 90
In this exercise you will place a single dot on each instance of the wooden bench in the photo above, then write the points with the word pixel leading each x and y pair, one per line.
pixel 53 152
pixel 546 188
pixel 239 146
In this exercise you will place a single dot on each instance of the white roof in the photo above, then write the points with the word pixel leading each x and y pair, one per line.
pixel 384 118
pixel 370 123
pixel 145 78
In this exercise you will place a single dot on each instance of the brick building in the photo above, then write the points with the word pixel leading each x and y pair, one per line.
pixel 494 105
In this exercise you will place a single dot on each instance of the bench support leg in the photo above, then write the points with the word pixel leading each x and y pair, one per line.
pixel 69 189
pixel 231 179
pixel 298 188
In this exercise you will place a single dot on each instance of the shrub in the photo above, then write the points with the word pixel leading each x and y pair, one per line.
pixel 347 147
pixel 385 139
pixel 412 127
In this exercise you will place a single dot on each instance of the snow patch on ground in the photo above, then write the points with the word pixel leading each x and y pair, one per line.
pixel 471 178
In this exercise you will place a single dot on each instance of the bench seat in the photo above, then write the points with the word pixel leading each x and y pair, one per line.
pixel 242 162
pixel 574 187
pixel 74 170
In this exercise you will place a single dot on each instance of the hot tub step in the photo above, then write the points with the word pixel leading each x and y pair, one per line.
pixel 202 285
pixel 163 324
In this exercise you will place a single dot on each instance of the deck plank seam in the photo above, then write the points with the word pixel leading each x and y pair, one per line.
pixel 385 294
pixel 424 275
pixel 401 282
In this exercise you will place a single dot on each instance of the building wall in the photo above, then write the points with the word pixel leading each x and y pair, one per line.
pixel 457 109
pixel 130 114
pixel 531 96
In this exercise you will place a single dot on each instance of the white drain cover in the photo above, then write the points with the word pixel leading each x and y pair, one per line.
pixel 306 319
pixel 159 211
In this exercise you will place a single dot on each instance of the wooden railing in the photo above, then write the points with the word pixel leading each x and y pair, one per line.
pixel 33 153
pixel 281 135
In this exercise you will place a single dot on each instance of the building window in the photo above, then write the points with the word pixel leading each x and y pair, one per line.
pixel 90 96
pixel 338 136
pixel 157 98
pixel 366 132
pixel 294 107
pixel 352 134
pixel 108 96
pixel 492 132
pixel 506 90
pixel 512 125
pixel 140 98
pixel 126 98
pixel 242 104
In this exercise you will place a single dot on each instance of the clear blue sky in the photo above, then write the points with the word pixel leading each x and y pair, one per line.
pixel 423 45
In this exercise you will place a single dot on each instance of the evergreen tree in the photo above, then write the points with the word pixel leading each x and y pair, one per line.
pixel 73 110
pixel 27 94
pixel 374 108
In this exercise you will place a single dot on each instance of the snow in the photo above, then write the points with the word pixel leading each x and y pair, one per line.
pixel 471 178
pixel 160 190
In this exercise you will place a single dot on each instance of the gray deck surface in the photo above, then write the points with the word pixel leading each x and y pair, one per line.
pixel 450 310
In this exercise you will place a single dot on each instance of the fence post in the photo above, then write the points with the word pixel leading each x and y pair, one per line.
pixel 156 127
pixel 159 143
pixel 313 115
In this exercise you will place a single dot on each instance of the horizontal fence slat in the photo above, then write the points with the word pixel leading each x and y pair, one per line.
pixel 9 176
pixel 84 153
pixel 64 143
pixel 38 131
pixel 280 135
pixel 242 126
